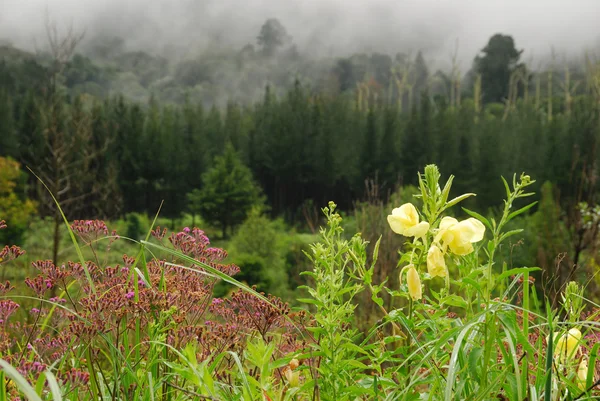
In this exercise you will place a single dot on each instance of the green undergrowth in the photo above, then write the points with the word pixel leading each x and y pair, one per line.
pixel 173 319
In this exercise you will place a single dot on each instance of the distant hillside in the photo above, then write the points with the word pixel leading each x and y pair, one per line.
pixel 8 53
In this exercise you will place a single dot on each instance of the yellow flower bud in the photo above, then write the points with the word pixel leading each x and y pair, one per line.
pixel 459 236
pixel 293 377
pixel 404 220
pixel 567 345
pixel 436 265
pixel 414 283
pixel 582 372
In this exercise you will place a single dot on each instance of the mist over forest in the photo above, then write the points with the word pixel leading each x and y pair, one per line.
pixel 208 50
pixel 329 200
pixel 230 113
pixel 329 27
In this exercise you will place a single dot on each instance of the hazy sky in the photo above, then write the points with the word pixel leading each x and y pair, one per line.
pixel 330 26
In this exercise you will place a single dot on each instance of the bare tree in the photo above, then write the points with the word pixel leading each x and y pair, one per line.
pixel 61 47
pixel 455 88
pixel 69 162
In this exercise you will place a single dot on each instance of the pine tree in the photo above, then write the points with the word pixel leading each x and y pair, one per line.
pixel 446 137
pixel 369 155
pixel 233 127
pixel 420 77
pixel 9 145
pixel 228 193
pixel 31 137
pixel 213 132
pixel 499 60
pixel 412 149
pixel 465 167
pixel 490 190
pixel 425 131
pixel 194 140
pixel 176 162
pixel 326 165
pixel 388 148
pixel 153 161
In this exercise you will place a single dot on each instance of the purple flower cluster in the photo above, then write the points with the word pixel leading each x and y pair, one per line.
pixel 114 310
pixel 9 253
pixel 89 230
pixel 195 244
pixel 7 308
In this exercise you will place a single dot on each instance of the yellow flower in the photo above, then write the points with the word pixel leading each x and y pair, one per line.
pixel 293 377
pixel 436 265
pixel 567 345
pixel 404 220
pixel 459 236
pixel 414 283
pixel 291 374
pixel 582 372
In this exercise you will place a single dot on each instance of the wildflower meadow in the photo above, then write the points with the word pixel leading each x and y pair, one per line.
pixel 458 322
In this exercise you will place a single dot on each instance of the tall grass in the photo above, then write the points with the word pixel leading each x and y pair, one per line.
pixel 462 323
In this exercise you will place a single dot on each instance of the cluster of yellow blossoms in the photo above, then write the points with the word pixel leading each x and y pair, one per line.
pixel 452 236
pixel 458 237
pixel 566 349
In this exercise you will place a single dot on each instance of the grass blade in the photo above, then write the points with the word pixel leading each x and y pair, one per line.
pixel 20 381
pixel 71 234
pixel 454 361
pixel 549 356
pixel 211 270
pixel 54 387
pixel 242 373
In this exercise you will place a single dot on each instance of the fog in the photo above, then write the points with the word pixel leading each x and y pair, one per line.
pixel 319 27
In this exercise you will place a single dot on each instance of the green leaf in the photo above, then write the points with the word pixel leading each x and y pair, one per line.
pixel 516 271
pixel 509 234
pixel 592 362
pixel 482 394
pixel 39 385
pixel 446 190
pixel 3 396
pixel 457 200
pixel 490 247
pixel 310 301
pixel 376 253
pixel 506 187
pixel 521 210
pixel 473 283
pixel 454 300
pixel 242 373
pixel 357 364
pixel 453 364
pixel 368 277
pixel 478 217
pixel 473 362
pixel 549 354
pixel 377 299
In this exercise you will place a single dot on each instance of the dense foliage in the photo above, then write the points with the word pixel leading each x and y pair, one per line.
pixel 300 146
pixel 152 328
pixel 358 135
pixel 228 137
pixel 109 156
pixel 17 209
